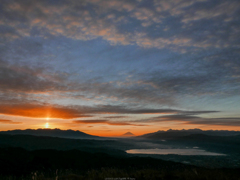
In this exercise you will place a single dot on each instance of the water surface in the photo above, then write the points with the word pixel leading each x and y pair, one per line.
pixel 174 151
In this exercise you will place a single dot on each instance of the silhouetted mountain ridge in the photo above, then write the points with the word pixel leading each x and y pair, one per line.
pixel 52 133
pixel 169 134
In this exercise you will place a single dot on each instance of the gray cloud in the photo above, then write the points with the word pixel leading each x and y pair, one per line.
pixel 185 118
pixel 115 117
pixel 33 108
pixel 108 109
pixel 218 121
pixel 213 74
pixel 113 21
pixel 20 78
pixel 115 123
pixel 216 74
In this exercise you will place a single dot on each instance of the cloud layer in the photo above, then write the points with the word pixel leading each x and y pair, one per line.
pixel 145 23
pixel 114 123
pixel 185 118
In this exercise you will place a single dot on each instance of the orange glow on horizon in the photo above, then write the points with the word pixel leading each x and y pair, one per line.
pixel 106 128
pixel 40 111
pixel 118 132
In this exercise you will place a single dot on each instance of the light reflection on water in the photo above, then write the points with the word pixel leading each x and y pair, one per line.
pixel 174 151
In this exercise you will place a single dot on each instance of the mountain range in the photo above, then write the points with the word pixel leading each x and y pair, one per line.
pixel 169 134
pixel 52 133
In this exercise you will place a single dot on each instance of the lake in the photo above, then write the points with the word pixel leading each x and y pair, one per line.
pixel 174 151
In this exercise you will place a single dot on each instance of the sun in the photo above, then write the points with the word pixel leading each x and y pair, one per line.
pixel 47 125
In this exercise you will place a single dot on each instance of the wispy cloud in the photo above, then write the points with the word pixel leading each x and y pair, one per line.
pixel 114 123
pixel 4 121
pixel 192 118
pixel 37 109
pixel 228 121
pixel 115 117
pixel 28 80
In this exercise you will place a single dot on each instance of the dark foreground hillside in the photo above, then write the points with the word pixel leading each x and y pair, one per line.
pixel 41 158
pixel 18 163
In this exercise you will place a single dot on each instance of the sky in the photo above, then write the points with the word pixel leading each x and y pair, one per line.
pixel 106 67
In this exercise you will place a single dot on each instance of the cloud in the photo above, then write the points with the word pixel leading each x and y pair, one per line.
pixel 213 74
pixel 229 121
pixel 162 89
pixel 162 86
pixel 223 8
pixel 40 110
pixel 36 109
pixel 133 93
pixel 4 121
pixel 185 118
pixel 114 123
pixel 90 121
pixel 28 80
pixel 127 22
pixel 178 117
pixel 115 117
pixel 33 80
pixel 111 109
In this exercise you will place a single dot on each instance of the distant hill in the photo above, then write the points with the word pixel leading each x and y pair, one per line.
pixel 170 134
pixel 128 134
pixel 52 133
